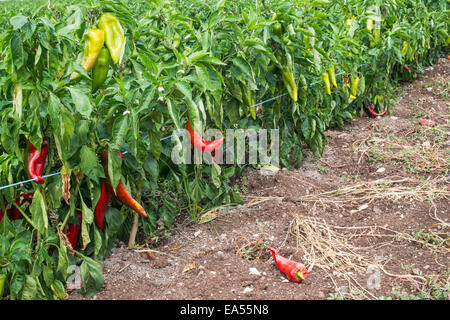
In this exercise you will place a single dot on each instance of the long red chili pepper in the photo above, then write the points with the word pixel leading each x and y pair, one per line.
pixel 374 113
pixel 73 231
pixel 407 68
pixel 121 194
pixel 36 161
pixel 102 204
pixel 201 144
pixel 294 271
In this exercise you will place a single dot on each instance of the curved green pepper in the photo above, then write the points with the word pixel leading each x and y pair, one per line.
pixel 289 83
pixel 2 284
pixel 114 35
pixel 326 81
pixel 277 28
pixel 101 68
pixel 248 99
pixel 354 87
pixel 332 73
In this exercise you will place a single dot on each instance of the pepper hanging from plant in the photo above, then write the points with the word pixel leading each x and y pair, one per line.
pixel 102 204
pixel 101 68
pixel 36 161
pixel 114 35
pixel 201 144
pixel 326 81
pixel 73 231
pixel 290 84
pixel 332 73
pixel 94 42
pixel 354 87
pixel 294 271
pixel 120 193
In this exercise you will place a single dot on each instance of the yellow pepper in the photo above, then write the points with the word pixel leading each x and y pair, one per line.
pixel 94 42
pixel 114 35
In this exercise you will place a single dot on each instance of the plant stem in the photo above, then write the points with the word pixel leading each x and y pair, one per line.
pixel 23 214
pixel 134 228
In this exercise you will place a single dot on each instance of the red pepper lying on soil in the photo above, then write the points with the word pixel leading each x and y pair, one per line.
pixel 426 122
pixel 121 194
pixel 73 231
pixel 374 113
pixel 36 161
pixel 294 271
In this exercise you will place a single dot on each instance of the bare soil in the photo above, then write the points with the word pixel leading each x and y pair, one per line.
pixel 370 220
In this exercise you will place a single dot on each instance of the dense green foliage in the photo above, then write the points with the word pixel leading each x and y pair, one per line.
pixel 182 58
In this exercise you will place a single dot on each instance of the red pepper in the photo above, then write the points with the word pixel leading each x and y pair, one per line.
pixel 73 231
pixel 13 213
pixel 121 194
pixel 374 113
pixel 36 161
pixel 27 196
pixel 426 122
pixel 102 204
pixel 294 271
pixel 199 143
pixel 407 68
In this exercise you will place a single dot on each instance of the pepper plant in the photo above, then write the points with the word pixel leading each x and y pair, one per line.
pixel 220 64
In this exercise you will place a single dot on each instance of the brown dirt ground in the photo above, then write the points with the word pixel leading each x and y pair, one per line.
pixel 357 243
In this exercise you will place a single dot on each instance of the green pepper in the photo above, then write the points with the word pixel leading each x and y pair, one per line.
pixel 405 48
pixel 95 39
pixel 248 99
pixel 289 83
pixel 176 41
pixel 326 81
pixel 101 68
pixel 354 87
pixel 277 29
pixel 2 284
pixel 369 25
pixel 332 73
pixel 114 35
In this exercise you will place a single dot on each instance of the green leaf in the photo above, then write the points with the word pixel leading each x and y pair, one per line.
pixel 38 211
pixel 306 129
pixel 245 67
pixel 17 53
pixel 18 21
pixel 81 101
pixel 212 60
pixel 58 289
pixel 114 220
pixel 91 276
pixel 215 174
pixel 63 261
pixel 97 241
pixel 88 219
pixel 168 212
pixel 29 290
pixel 54 109
pixel 90 164
pixel 114 168
pixel 203 76
pixel 119 132
pixel 155 144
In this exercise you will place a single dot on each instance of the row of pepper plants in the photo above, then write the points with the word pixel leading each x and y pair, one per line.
pixel 156 65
